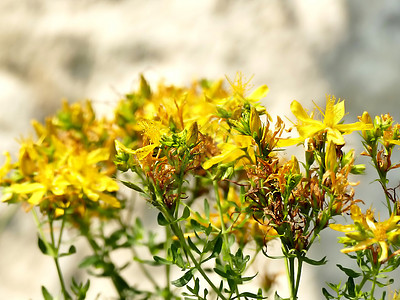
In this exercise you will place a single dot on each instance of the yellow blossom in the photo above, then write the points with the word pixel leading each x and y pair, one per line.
pixel 366 232
pixel 334 113
pixel 308 127
pixel 240 152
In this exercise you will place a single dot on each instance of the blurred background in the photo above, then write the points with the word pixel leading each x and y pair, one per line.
pixel 87 49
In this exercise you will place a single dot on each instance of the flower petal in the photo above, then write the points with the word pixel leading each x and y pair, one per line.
pixel 259 93
pixel 360 246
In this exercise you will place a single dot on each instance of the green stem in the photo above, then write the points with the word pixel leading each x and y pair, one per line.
pixel 376 272
pixel 168 267
pixel 61 278
pixel 56 256
pixel 361 285
pixel 52 248
pixel 299 267
pixel 382 175
pixel 227 252
pixel 178 232
pixel 221 216
pixel 290 275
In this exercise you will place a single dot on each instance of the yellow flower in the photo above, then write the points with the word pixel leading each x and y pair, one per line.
pixel 366 232
pixel 308 127
pixel 334 113
pixel 70 173
pixel 83 174
pixel 241 151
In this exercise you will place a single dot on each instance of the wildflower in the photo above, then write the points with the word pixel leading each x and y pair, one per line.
pixel 366 232
pixel 334 113
pixel 308 127
pixel 240 152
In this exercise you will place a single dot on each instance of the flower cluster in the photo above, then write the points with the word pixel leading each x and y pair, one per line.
pixel 67 168
pixel 210 159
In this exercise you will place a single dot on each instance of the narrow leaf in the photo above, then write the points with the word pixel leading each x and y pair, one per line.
pixel 133 186
pixel 313 262
pixel 193 246
pixel 46 294
pixel 71 251
pixel 161 220
pixel 89 261
pixel 349 272
pixel 351 287
pixel 161 260
pixel 206 209
pixel 180 282
pixel 185 214
pixel 46 248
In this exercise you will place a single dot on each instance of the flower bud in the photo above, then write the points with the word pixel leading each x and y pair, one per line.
pixel 255 122
pixel 192 135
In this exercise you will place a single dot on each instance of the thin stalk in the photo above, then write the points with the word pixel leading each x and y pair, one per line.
pixel 223 229
pixel 289 275
pixel 56 256
pixel 376 272
pixel 178 232
pixel 168 267
pixel 363 281
pixel 299 267
pixel 51 247
pixel 382 175
pixel 61 278
pixel 221 216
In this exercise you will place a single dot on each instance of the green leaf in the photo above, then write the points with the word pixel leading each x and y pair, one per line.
pixel 222 113
pixel 197 226
pixel 349 272
pixel 193 246
pixel 180 282
pixel 351 287
pixel 46 294
pixel 71 251
pixel 46 248
pixel 162 261
pixel 382 284
pixel 177 256
pixel 218 246
pixel 326 294
pixel 249 278
pixel 133 186
pixel 161 220
pixel 195 290
pixel 147 262
pixel 206 209
pixel 185 214
pixel 249 295
pixel 313 262
pixel 80 289
pixel 221 273
pixel 89 261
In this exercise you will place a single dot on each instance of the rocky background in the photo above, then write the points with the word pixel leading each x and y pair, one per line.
pixel 55 49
